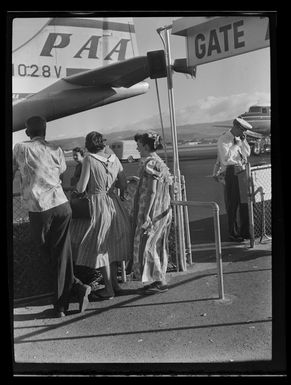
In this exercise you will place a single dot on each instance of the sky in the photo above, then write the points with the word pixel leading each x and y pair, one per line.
pixel 221 90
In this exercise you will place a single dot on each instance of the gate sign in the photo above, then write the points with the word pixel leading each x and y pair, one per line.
pixel 222 37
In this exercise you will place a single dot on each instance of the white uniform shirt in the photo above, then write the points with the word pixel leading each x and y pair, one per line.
pixel 230 153
pixel 40 164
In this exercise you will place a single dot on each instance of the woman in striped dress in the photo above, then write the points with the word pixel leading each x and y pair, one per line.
pixel 152 216
pixel 107 238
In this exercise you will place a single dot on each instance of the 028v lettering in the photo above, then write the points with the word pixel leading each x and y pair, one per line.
pixel 34 70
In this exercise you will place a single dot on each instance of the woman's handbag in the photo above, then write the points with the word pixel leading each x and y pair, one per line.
pixel 80 205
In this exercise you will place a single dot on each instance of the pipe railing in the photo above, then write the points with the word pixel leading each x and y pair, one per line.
pixel 216 222
pixel 215 209
pixel 188 249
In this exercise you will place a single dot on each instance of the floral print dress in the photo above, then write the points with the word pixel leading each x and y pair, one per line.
pixel 150 247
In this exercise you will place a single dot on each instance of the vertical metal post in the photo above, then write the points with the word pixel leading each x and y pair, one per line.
pixel 186 222
pixel 176 237
pixel 164 137
pixel 123 271
pixel 250 205
pixel 218 249
pixel 181 239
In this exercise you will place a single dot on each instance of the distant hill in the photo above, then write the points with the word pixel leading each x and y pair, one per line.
pixel 70 143
pixel 185 132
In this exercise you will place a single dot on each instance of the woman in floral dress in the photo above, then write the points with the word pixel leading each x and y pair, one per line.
pixel 152 216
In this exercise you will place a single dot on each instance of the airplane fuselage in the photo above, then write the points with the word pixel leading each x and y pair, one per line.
pixel 63 66
pixel 259 118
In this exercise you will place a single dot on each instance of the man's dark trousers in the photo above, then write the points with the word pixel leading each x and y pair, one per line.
pixel 233 204
pixel 51 231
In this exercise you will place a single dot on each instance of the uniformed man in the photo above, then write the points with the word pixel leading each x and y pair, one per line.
pixel 233 151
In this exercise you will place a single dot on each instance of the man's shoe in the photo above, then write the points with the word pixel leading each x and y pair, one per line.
pixel 60 311
pixel 60 314
pixel 82 292
pixel 235 239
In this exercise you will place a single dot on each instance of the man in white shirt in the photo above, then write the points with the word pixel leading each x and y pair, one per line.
pixel 41 164
pixel 233 151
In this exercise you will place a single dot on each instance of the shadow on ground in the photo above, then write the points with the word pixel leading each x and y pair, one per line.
pixel 202 231
pixel 231 254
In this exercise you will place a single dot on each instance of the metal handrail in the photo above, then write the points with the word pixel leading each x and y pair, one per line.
pixel 216 222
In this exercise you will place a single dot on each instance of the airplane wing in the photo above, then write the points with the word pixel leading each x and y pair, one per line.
pixel 87 90
pixel 63 66
pixel 84 91
pixel 121 74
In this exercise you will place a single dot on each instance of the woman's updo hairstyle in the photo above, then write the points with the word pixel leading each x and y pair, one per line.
pixel 152 139
pixel 94 142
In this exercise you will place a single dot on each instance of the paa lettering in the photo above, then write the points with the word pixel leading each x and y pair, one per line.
pixel 62 40
pixel 203 48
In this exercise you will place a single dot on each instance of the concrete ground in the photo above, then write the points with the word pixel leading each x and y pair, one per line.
pixel 187 324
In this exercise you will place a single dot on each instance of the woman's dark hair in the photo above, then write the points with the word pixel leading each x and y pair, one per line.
pixel 152 139
pixel 78 149
pixel 94 142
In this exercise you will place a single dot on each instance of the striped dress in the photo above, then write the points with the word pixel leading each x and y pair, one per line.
pixel 106 237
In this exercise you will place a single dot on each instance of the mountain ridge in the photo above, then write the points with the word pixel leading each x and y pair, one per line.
pixel 186 132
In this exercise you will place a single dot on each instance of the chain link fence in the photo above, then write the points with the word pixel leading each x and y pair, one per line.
pixel 261 200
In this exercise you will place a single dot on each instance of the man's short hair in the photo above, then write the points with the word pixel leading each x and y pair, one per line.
pixel 35 126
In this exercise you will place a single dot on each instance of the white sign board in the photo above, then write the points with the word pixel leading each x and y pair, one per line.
pixel 223 37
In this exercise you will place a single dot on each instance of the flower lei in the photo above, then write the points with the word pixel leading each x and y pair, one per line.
pixel 156 137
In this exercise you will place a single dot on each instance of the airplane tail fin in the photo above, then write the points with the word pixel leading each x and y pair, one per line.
pixel 48 49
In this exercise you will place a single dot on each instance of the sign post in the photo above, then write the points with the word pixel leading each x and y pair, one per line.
pixel 177 174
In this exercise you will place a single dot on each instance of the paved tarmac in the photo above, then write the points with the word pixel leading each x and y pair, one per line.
pixel 187 324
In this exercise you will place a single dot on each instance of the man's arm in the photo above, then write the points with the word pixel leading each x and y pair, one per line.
pixel 14 161
pixel 62 161
pixel 14 171
pixel 245 148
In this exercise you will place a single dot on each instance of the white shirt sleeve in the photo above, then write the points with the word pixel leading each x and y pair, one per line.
pixel 62 161
pixel 228 152
pixel 245 148
pixel 15 160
